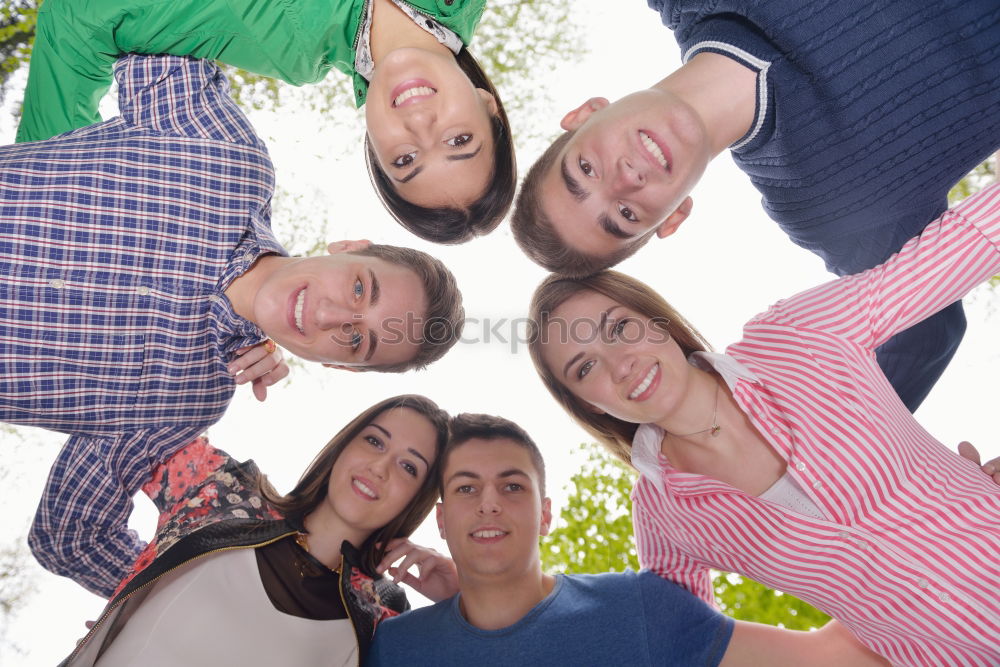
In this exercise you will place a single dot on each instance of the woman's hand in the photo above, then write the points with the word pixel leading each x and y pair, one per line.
pixel 261 364
pixel 438 577
pixel 991 467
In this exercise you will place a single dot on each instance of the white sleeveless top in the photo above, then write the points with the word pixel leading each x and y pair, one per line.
pixel 214 611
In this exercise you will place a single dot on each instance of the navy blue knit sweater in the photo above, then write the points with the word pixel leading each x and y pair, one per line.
pixel 868 113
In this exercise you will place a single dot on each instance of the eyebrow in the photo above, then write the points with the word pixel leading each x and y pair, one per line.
pixel 572 184
pixel 461 473
pixel 419 456
pixel 461 156
pixel 373 294
pixel 409 176
pixel 376 289
pixel 466 156
pixel 608 225
pixel 600 327
pixel 383 429
pixel 512 472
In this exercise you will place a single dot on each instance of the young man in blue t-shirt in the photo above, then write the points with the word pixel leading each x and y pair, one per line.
pixel 853 121
pixel 509 612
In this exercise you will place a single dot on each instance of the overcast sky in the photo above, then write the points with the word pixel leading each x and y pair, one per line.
pixel 728 262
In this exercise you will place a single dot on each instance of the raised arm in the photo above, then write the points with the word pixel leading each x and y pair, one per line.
pixel 754 644
pixel 77 42
pixel 81 529
pixel 179 96
pixel 953 254
pixel 656 553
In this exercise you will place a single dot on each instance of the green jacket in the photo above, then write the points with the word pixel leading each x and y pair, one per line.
pixel 297 41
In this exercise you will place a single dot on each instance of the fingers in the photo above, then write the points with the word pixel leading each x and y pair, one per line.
pixel 966 450
pixel 991 467
pixel 403 577
pixel 401 571
pixel 262 365
pixel 395 549
pixel 411 554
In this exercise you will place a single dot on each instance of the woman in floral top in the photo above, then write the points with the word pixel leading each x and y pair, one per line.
pixel 283 579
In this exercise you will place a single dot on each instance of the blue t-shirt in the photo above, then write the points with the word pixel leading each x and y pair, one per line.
pixel 591 619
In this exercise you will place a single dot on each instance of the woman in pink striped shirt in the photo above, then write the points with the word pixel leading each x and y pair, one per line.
pixel 789 458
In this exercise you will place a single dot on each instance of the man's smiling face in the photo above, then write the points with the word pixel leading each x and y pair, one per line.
pixel 626 171
pixel 343 309
pixel 492 511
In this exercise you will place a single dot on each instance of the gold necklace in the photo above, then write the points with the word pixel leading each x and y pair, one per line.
pixel 303 542
pixel 714 428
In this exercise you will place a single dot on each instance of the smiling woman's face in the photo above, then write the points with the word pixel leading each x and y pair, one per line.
pixel 430 129
pixel 614 359
pixel 378 474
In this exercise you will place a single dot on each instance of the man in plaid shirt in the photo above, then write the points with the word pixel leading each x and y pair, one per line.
pixel 136 259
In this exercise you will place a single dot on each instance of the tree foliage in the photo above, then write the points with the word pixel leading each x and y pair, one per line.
pixel 977 179
pixel 17 31
pixel 594 534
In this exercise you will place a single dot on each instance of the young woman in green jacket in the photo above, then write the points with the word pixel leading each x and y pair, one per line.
pixel 439 147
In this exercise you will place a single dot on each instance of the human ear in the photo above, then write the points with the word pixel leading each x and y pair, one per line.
pixel 335 247
pixel 546 517
pixel 486 97
pixel 343 367
pixel 440 521
pixel 578 116
pixel 674 220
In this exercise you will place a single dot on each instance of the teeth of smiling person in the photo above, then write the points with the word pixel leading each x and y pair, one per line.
pixel 653 148
pixel 299 304
pixel 411 92
pixel 365 489
pixel 488 533
pixel 644 385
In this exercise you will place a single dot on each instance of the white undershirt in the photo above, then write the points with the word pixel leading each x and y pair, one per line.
pixel 789 494
pixel 214 611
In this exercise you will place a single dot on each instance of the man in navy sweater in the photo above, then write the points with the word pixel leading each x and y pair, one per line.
pixel 852 121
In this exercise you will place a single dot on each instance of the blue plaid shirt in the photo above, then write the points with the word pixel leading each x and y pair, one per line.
pixel 116 243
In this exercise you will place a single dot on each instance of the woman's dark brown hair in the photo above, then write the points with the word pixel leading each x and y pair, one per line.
pixel 312 486
pixel 635 295
pixel 453 225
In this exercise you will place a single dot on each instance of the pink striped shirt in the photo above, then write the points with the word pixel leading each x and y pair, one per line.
pixel 909 555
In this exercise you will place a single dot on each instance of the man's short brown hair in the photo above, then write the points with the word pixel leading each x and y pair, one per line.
pixel 470 426
pixel 534 232
pixel 442 323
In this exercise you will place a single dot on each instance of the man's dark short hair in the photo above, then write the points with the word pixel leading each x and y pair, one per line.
pixel 539 240
pixel 442 323
pixel 470 426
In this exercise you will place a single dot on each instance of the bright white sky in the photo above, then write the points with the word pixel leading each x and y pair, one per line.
pixel 728 262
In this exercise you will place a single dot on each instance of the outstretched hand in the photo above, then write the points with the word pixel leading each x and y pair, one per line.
pixel 991 467
pixel 262 365
pixel 437 579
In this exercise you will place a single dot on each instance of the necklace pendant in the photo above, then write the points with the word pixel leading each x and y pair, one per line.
pixel 715 430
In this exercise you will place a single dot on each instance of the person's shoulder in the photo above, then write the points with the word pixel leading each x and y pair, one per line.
pixel 416 620
pixel 602 581
pixel 624 585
